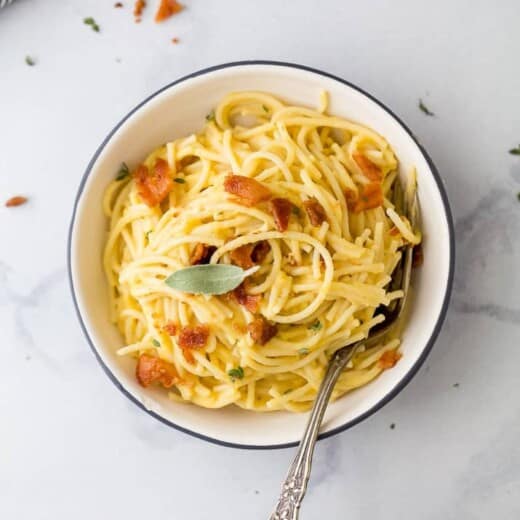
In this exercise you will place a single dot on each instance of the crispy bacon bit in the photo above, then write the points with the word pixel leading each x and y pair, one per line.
pixel 371 171
pixel 16 201
pixel 166 9
pixel 154 187
pixel 250 301
pixel 315 212
pixel 201 254
pixel 175 40
pixel 261 330
pixel 138 9
pixel 152 369
pixel 186 161
pixel 118 5
pixel 370 196
pixel 249 191
pixel 281 210
pixel 417 256
pixel 191 338
pixel 170 328
pixel 249 255
pixel 389 359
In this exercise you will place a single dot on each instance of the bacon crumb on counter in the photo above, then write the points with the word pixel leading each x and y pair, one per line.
pixel 118 5
pixel 261 330
pixel 193 338
pixel 201 254
pixel 249 255
pixel 370 197
pixel 417 256
pixel 139 5
pixel 154 187
pixel 281 210
pixel 175 40
pixel 370 170
pixel 248 190
pixel 315 212
pixel 152 369
pixel 16 201
pixel 166 9
pixel 250 301
pixel 170 328
pixel 389 359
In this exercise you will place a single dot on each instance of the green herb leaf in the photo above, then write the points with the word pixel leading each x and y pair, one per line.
pixel 296 211
pixel 303 351
pixel 317 325
pixel 265 108
pixel 90 21
pixel 179 180
pixel 515 151
pixel 147 234
pixel 123 172
pixel 208 278
pixel 30 61
pixel 155 343
pixel 425 109
pixel 236 373
pixel 211 116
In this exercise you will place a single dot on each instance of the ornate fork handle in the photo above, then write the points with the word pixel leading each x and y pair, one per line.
pixel 295 484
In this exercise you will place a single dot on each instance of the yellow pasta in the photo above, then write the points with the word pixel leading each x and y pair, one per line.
pixel 320 283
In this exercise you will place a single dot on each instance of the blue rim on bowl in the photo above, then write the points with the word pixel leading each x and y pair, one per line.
pixel 410 374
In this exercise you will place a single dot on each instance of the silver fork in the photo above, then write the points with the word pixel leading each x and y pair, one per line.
pixel 295 484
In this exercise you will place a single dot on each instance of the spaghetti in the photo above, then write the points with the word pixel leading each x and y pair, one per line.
pixel 305 197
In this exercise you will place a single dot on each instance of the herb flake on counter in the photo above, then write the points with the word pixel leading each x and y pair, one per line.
pixel 515 151
pixel 425 109
pixel 90 21
pixel 317 325
pixel 456 385
pixel 518 195
pixel 15 201
pixel 30 61
pixel 236 373
pixel 155 343
pixel 123 172
pixel 392 426
pixel 179 180
pixel 208 278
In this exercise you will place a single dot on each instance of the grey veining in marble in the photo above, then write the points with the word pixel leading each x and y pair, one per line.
pixel 73 447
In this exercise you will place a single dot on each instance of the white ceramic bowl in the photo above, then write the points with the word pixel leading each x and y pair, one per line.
pixel 179 109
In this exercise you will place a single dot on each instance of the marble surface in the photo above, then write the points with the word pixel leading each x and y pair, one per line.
pixel 73 447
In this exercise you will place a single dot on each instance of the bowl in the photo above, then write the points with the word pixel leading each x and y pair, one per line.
pixel 179 109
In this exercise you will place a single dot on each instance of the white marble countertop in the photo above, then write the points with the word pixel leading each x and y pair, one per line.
pixel 71 446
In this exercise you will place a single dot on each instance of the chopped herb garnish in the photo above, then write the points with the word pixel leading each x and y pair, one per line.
pixel 147 234
pixel 296 211
pixel 155 343
pixel 303 351
pixel 90 21
pixel 265 108
pixel 211 116
pixel 236 373
pixel 287 391
pixel 30 61
pixel 518 195
pixel 392 426
pixel 456 385
pixel 515 151
pixel 179 180
pixel 317 325
pixel 123 172
pixel 425 109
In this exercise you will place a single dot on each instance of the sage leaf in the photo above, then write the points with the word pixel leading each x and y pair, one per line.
pixel 208 278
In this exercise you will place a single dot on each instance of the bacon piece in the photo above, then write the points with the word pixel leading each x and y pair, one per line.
pixel 15 201
pixel 201 254
pixel 249 191
pixel 170 328
pixel 154 187
pixel 370 196
pixel 389 359
pixel 166 9
pixel 139 5
pixel 281 210
pixel 249 255
pixel 315 212
pixel 417 256
pixel 191 338
pixel 118 4
pixel 371 171
pixel 152 369
pixel 261 330
pixel 250 301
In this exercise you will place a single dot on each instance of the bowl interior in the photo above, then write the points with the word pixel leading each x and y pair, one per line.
pixel 180 109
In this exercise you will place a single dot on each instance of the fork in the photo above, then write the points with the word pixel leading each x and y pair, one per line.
pixel 295 484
